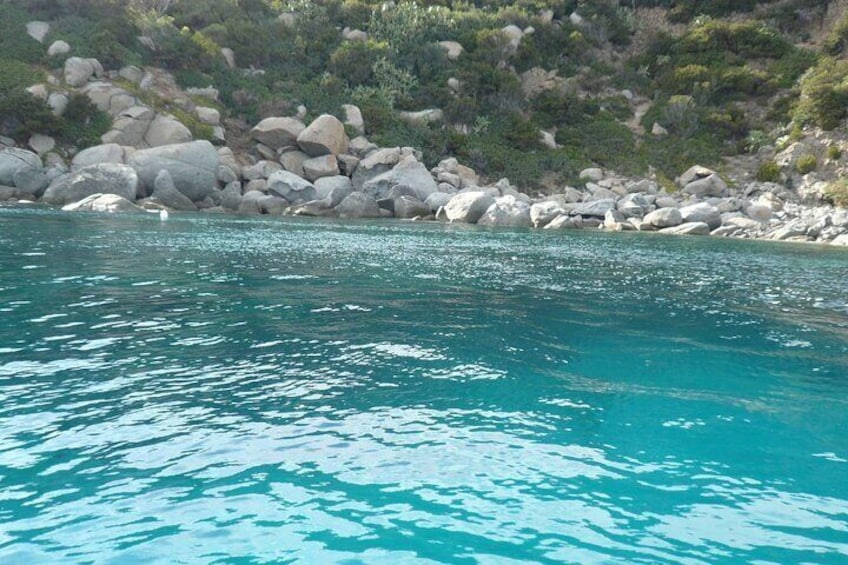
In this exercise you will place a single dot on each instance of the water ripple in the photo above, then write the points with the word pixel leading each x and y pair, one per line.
pixel 316 392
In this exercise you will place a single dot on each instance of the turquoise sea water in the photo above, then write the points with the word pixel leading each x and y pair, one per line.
pixel 226 390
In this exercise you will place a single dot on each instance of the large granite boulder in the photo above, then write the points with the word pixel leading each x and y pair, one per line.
pixel 165 191
pixel 166 130
pixel 633 206
pixel 688 228
pixel 543 213
pixel 277 133
pixel 408 172
pixel 291 187
pixel 595 208
pixel 193 166
pixel 105 178
pixel 105 153
pixel 38 30
pixel 507 211
pixel 377 163
pixel 701 212
pixel 58 48
pixel 325 135
pixel 409 207
pixel 468 207
pixel 712 185
pixel 13 161
pixel 102 203
pixel 358 205
pixel 325 185
pixel 323 166
pixel 78 71
pixel 438 200
pixel 663 218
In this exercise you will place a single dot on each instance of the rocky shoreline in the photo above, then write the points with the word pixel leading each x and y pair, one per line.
pixel 150 161
pixel 393 183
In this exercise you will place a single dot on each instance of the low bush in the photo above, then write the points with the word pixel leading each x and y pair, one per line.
pixel 22 114
pixel 837 193
pixel 806 164
pixel 83 123
pixel 769 171
pixel 824 95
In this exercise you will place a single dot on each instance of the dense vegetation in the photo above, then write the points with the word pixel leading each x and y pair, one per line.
pixel 700 79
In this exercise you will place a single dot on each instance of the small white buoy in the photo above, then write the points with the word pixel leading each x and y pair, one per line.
pixel 163 215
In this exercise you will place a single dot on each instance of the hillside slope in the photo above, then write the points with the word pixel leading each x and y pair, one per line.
pixel 534 91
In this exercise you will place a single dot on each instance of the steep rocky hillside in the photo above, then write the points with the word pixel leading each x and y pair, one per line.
pixel 530 90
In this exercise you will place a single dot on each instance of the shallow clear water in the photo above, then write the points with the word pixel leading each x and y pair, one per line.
pixel 224 390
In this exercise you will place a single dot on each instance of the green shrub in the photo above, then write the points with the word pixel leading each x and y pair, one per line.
pixel 806 164
pixel 354 61
pixel 769 171
pixel 824 95
pixel 834 152
pixel 835 42
pixel 602 141
pixel 15 44
pixel 15 75
pixel 22 114
pixel 837 193
pixel 83 123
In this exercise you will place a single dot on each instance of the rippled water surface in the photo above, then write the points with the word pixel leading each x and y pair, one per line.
pixel 224 390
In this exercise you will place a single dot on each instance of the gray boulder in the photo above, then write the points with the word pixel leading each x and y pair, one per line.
pixel 106 153
pixel 38 30
pixel 707 186
pixel 410 207
pixel 291 187
pixel 438 200
pixel 377 163
pixel 31 181
pixel 193 167
pixel 468 207
pixel 692 174
pixel 663 218
pixel 58 48
pixel 353 118
pixel 293 161
pixel 272 204
pixel 102 203
pixel 277 133
pixel 325 185
pixel 759 212
pixel 231 196
pixel 13 161
pixel 323 166
pixel 594 209
pixel 106 178
pixel 507 211
pixel 261 170
pixel 592 174
pixel 358 205
pixel 325 135
pixel 78 71
pixel 166 130
pixel 633 206
pixel 166 192
pixel 409 172
pixel 688 228
pixel 542 213
pixel 701 212
pixel 565 222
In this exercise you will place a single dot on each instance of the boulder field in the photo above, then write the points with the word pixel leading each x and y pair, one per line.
pixel 393 183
